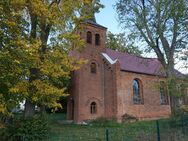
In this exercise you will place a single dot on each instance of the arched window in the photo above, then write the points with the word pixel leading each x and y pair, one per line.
pixel 137 92
pixel 93 108
pixel 93 68
pixel 89 37
pixel 97 39
pixel 163 93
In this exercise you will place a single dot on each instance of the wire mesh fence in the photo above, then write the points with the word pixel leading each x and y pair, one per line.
pixel 160 130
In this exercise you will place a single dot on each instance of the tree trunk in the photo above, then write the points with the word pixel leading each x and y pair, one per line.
pixel 42 110
pixel 172 87
pixel 29 110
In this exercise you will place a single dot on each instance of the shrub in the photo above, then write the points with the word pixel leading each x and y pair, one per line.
pixel 29 129
pixel 128 118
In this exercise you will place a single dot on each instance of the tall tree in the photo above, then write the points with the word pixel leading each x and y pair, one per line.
pixel 161 24
pixel 10 32
pixel 36 38
pixel 120 42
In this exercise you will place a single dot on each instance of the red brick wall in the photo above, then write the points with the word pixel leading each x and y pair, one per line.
pixel 151 107
pixel 110 88
pixel 109 91
pixel 89 87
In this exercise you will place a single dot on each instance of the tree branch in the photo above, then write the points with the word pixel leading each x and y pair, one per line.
pixel 33 19
pixel 149 34
pixel 175 34
pixel 53 2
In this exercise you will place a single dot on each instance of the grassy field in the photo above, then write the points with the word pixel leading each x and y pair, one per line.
pixel 104 130
pixel 98 130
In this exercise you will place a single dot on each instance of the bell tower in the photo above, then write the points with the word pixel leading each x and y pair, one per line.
pixel 94 36
pixel 86 100
pixel 91 32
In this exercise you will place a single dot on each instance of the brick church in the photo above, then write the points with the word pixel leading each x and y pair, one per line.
pixel 113 84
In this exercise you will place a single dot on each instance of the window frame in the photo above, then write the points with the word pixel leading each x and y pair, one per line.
pixel 93 68
pixel 89 37
pixel 164 99
pixel 97 39
pixel 138 98
pixel 93 108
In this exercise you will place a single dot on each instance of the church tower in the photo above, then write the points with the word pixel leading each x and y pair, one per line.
pixel 103 87
pixel 86 100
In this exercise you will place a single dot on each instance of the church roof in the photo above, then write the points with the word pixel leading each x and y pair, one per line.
pixel 94 23
pixel 132 63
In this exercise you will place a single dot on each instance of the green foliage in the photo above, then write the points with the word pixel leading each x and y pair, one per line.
pixel 181 111
pixel 161 28
pixel 178 89
pixel 160 25
pixel 35 40
pixel 56 116
pixel 120 42
pixel 137 131
pixel 30 129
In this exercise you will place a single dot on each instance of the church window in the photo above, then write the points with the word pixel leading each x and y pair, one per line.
pixel 93 68
pixel 97 39
pixel 89 37
pixel 93 108
pixel 137 92
pixel 163 93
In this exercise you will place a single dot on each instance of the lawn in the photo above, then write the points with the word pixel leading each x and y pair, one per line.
pixel 103 130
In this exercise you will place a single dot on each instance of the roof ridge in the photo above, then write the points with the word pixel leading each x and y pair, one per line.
pixel 94 23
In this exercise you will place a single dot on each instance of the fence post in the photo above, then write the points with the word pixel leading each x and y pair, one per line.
pixel 182 122
pixel 107 135
pixel 158 131
pixel 23 138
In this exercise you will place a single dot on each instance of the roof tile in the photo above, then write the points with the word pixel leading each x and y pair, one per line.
pixel 138 64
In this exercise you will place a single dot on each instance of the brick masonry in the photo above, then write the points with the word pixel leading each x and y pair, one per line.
pixel 110 88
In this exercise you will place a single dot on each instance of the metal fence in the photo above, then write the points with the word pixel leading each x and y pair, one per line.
pixel 160 130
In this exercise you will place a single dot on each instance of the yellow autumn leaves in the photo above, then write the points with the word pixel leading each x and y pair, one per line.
pixel 38 35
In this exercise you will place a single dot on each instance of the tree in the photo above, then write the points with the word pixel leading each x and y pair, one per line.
pixel 10 71
pixel 120 43
pixel 36 38
pixel 161 24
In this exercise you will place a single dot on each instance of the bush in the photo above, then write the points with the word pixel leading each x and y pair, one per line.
pixel 30 129
pixel 179 113
pixel 128 118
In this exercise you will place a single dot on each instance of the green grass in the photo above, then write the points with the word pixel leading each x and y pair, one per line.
pixel 56 116
pixel 96 131
pixel 170 130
